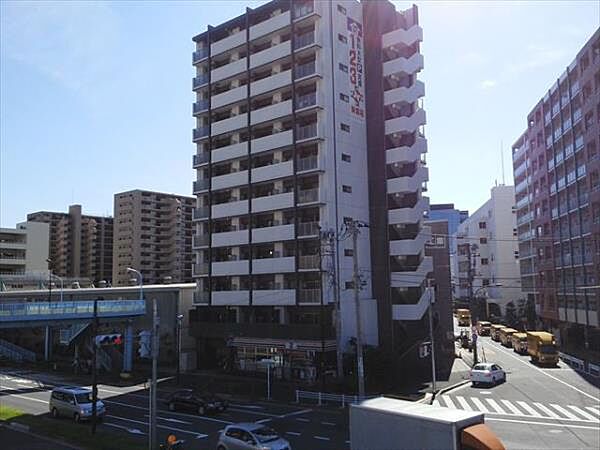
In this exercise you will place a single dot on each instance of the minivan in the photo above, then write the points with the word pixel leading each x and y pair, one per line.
pixel 74 402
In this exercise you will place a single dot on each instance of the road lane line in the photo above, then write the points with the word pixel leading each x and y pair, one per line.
pixel 532 366
pixel 256 413
pixel 210 419
pixel 463 403
pixel 330 424
pixel 495 405
pixel 546 410
pixel 479 404
pixel 497 419
pixel 321 438
pixel 300 419
pixel 581 412
pixel 529 409
pixel 29 398
pixel 592 409
pixel 448 401
pixel 195 433
pixel 129 430
pixel 292 433
pixel 564 412
pixel 512 407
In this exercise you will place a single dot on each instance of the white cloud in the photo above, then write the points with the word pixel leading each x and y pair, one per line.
pixel 488 84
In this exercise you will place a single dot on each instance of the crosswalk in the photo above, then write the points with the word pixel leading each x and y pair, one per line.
pixel 552 411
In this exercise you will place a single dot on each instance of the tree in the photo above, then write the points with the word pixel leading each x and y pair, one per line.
pixel 530 314
pixel 511 314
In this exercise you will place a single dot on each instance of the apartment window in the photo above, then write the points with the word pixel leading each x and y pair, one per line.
pixel 484 261
pixel 346 157
pixel 345 127
pixel 342 38
pixel 347 189
pixel 343 67
pixel 483 240
pixel 348 252
pixel 341 9
pixel 482 225
pixel 344 98
pixel 349 285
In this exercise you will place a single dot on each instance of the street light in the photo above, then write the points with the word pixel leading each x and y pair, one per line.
pixel 178 353
pixel 139 274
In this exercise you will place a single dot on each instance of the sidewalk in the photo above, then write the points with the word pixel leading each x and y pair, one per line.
pixel 12 438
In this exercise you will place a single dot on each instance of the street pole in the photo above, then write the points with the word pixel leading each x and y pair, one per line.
pixel 331 235
pixel 155 344
pixel 431 339
pixel 269 381
pixel 94 370
pixel 179 318
pixel 359 349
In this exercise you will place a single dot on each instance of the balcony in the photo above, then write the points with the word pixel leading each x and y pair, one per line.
pixel 308 163
pixel 409 246
pixel 306 131
pixel 403 65
pixel 408 183
pixel 308 229
pixel 308 195
pixel 200 133
pixel 229 180
pixel 271 83
pixel 406 123
pixel 409 94
pixel 402 36
pixel 228 70
pixel 270 25
pixel 578 142
pixel 201 298
pixel 199 269
pixel 200 106
pixel 273 265
pixel 271 112
pixel 304 40
pixel 229 238
pixel 305 70
pixel 409 214
pixel 199 81
pixel 201 185
pixel 273 172
pixel 231 96
pixel 228 43
pixel 199 55
pixel 200 212
pixel 309 296
pixel 407 153
pixel 226 268
pixel 200 240
pixel 273 297
pixel 200 158
pixel 413 278
pixel 303 10
pixel 309 262
pixel 306 101
pixel 233 208
pixel 232 151
pixel 273 202
pixel 271 54
pixel 272 142
pixel 230 124
pixel 230 298
pixel 276 233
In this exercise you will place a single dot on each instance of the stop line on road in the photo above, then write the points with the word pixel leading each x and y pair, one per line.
pixel 521 408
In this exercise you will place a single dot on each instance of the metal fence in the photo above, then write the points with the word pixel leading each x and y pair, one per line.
pixel 71 309
pixel 323 398
pixel 580 365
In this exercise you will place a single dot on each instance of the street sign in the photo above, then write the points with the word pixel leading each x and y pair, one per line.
pixel 474 337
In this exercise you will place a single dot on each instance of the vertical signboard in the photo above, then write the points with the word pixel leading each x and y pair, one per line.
pixel 356 69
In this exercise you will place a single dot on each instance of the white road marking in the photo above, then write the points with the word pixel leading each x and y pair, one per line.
pixel 463 403
pixel 330 424
pixel 528 364
pixel 292 433
pixel 321 438
pixel 449 402
pixel 486 392
pixel 479 405
pixel 592 409
pixel 167 427
pixel 130 430
pixel 300 419
pixel 246 406
pixel 257 413
pixel 512 407
pixel 564 412
pixel 29 398
pixel 546 410
pixel 495 405
pixel 497 419
pixel 209 419
pixel 169 419
pixel 555 431
pixel 526 407
pixel 581 412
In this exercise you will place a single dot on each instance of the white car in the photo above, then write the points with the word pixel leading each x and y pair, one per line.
pixel 487 373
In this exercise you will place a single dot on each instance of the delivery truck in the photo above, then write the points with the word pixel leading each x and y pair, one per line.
pixel 542 348
pixel 495 331
pixel 464 317
pixel 519 343
pixel 483 327
pixel 506 336
pixel 389 424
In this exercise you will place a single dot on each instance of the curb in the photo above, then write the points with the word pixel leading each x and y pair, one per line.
pixel 448 389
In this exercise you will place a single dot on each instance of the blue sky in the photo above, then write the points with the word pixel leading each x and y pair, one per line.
pixel 95 98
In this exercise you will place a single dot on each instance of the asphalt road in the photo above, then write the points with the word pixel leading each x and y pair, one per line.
pixel 127 412
pixel 537 408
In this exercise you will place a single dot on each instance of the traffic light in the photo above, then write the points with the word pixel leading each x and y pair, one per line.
pixel 109 339
pixel 145 349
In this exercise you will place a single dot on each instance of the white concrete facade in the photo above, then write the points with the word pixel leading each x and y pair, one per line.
pixel 24 249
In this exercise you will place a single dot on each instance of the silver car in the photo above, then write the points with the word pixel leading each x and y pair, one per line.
pixel 251 436
pixel 74 402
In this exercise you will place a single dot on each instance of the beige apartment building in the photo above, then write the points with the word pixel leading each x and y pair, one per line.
pixel 80 245
pixel 153 234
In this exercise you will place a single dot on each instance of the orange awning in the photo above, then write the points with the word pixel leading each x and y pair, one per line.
pixel 480 437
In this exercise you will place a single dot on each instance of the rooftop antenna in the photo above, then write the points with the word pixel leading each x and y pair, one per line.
pixel 502 161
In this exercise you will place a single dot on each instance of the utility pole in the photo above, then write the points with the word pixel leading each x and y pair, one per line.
pixel 354 230
pixel 155 344
pixel 331 238
pixel 94 369
pixel 431 302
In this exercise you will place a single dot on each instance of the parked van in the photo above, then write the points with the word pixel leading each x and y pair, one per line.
pixel 506 336
pixel 519 343
pixel 495 331
pixel 74 402
pixel 483 328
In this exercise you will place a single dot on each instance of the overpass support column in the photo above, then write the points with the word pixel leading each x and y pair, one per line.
pixel 48 344
pixel 128 348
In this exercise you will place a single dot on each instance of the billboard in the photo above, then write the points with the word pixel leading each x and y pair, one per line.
pixel 356 69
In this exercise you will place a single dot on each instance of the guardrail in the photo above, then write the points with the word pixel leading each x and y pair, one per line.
pixel 12 312
pixel 325 398
pixel 580 365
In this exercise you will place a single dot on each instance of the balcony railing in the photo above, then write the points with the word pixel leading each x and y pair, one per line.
pixel 200 269
pixel 309 295
pixel 200 133
pixel 578 142
pixel 201 297
pixel 306 69
pixel 308 229
pixel 309 262
pixel 201 185
pixel 200 106
pixel 308 163
pixel 306 131
pixel 200 212
pixel 304 101
pixel 308 195
pixel 200 81
pixel 199 55
pixel 200 158
pixel 303 10
pixel 200 240
pixel 304 40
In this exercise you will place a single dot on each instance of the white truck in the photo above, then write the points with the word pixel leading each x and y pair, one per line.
pixel 390 424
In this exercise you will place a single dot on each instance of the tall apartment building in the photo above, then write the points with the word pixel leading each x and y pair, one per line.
pixel 286 108
pixel 80 245
pixel 556 164
pixel 24 249
pixel 153 234
pixel 487 253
